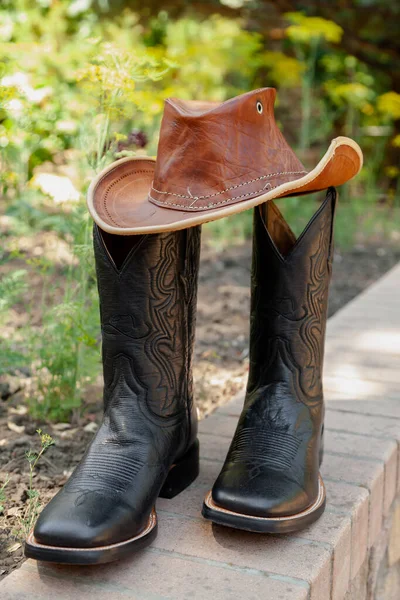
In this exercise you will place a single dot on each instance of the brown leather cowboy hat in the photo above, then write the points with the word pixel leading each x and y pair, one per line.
pixel 214 160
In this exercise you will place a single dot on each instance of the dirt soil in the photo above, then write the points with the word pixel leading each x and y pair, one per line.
pixel 220 371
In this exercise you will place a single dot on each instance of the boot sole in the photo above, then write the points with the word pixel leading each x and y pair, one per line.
pixel 223 516
pixel 180 476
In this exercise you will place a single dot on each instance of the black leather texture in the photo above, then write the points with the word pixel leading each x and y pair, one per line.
pixel 272 466
pixel 147 306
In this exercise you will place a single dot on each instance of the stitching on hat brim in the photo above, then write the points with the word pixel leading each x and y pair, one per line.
pixel 233 187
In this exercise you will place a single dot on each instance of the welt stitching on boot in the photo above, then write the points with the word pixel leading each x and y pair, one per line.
pixel 270 480
pixel 147 442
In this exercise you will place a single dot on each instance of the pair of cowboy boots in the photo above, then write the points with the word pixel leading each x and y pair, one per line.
pixel 213 160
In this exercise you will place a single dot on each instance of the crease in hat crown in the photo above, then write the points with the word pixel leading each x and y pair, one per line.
pixel 211 154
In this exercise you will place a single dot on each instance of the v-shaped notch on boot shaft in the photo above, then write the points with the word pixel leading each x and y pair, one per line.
pixel 121 249
pixel 281 236
pixel 289 299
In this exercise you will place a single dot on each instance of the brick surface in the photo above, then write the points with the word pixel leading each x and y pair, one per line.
pixel 233 408
pixel 378 449
pixel 345 532
pixel 275 553
pixel 379 347
pixel 358 586
pixel 361 366
pixel 213 446
pixel 151 575
pixel 383 408
pixel 350 503
pixel 348 499
pixel 358 445
pixel 372 426
pixel 394 540
pixel 342 388
pixel 302 559
pixel 390 483
pixel 190 503
pixel 364 473
pixel 377 560
pixel 334 530
pixel 219 425
pixel 388 588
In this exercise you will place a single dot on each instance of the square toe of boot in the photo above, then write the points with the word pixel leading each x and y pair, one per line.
pixel 272 502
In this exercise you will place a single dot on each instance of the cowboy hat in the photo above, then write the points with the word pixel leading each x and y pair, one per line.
pixel 214 160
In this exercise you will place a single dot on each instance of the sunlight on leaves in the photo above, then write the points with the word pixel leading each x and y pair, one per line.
pixel 304 29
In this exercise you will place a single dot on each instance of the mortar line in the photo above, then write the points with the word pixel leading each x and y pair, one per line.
pixel 363 414
pixel 231 567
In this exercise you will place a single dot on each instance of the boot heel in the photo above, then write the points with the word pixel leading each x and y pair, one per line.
pixel 182 473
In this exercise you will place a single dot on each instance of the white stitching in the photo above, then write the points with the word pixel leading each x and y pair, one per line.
pixel 112 184
pixel 211 204
pixel 234 187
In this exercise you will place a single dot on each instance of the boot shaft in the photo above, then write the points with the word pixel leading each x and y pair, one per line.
pixel 290 280
pixel 147 288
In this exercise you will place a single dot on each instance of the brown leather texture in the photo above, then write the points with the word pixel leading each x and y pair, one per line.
pixel 214 159
pixel 121 195
pixel 211 155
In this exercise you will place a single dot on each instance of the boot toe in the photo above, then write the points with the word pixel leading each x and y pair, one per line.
pixel 62 532
pixel 270 494
pixel 71 522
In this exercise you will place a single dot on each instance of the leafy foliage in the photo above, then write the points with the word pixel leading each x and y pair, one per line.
pixel 83 83
pixel 307 29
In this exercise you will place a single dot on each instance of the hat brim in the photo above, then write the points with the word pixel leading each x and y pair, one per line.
pixel 118 197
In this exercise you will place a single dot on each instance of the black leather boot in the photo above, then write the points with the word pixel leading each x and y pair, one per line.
pixel 270 481
pixel 147 443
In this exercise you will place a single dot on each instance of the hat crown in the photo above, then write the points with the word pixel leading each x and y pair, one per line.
pixel 213 154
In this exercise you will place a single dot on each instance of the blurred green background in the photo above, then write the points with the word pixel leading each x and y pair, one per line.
pixel 82 82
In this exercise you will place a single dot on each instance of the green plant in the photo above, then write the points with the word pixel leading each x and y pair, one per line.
pixel 12 287
pixel 28 519
pixel 65 357
pixel 307 34
pixel 3 493
pixel 232 230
